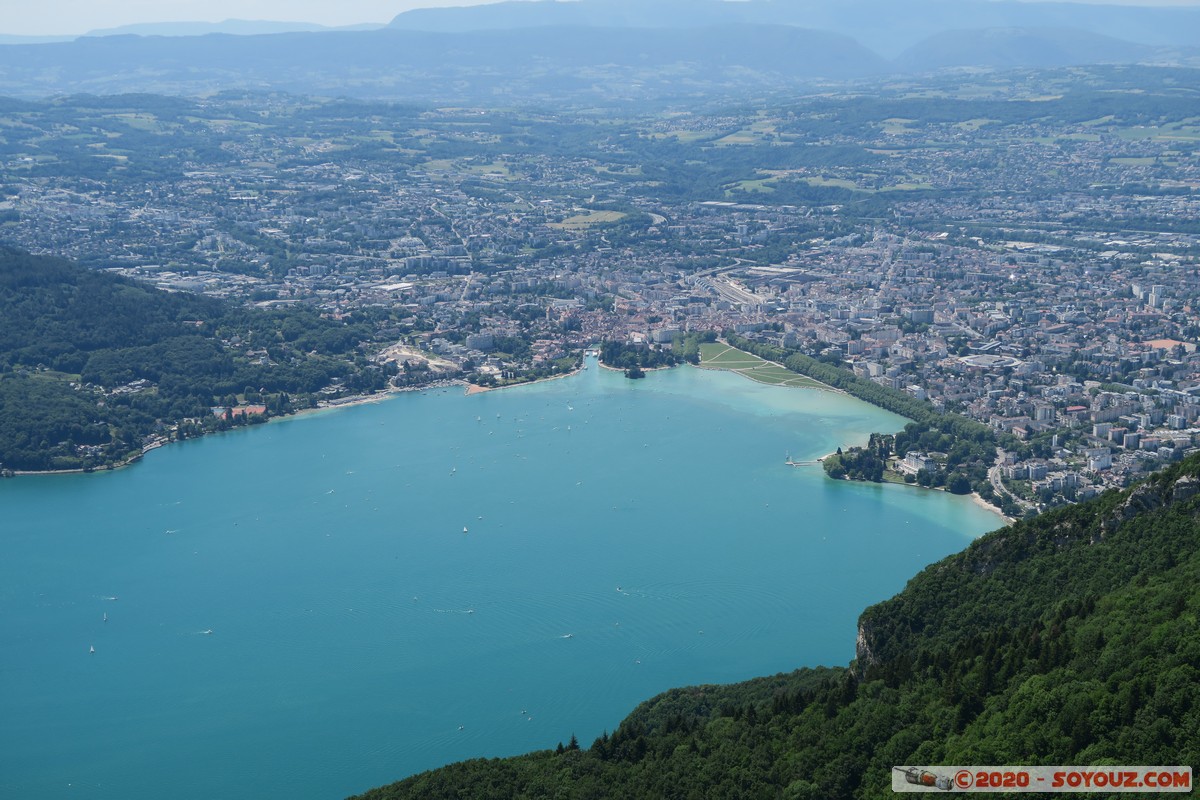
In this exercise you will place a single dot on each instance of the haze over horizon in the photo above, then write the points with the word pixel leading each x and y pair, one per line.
pixel 77 17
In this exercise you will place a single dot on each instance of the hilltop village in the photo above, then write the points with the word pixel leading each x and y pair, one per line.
pixel 1055 300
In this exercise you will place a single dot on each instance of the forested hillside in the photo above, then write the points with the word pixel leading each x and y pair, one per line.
pixel 1070 638
pixel 94 366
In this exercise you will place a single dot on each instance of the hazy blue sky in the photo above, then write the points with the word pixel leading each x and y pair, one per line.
pixel 63 17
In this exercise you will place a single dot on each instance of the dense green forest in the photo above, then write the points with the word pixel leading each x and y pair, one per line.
pixel 635 360
pixel 93 367
pixel 1066 639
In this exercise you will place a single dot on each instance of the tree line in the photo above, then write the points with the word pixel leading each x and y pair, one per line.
pixel 94 366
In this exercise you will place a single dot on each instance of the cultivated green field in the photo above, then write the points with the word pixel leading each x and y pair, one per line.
pixel 588 218
pixel 722 356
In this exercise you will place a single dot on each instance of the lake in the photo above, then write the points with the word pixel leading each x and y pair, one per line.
pixel 313 607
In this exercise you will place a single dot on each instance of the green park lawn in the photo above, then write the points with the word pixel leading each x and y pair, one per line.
pixel 722 356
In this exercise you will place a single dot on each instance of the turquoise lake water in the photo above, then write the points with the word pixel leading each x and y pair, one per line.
pixel 317 606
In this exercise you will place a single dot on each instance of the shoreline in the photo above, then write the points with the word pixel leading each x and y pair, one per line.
pixel 364 399
pixel 644 369
pixel 984 504
pixel 475 388
pixel 974 496
pixel 349 401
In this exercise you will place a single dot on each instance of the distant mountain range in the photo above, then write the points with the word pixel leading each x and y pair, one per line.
pixel 236 27
pixel 1002 48
pixel 513 65
pixel 885 26
pixel 601 50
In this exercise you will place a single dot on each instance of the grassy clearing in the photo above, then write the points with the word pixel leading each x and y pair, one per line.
pixel 54 376
pixel 760 185
pixel 840 183
pixel 683 136
pixel 626 171
pixel 1172 131
pixel 141 121
pixel 975 124
pixel 907 187
pixel 778 376
pixel 495 169
pixel 722 356
pixel 897 125
pixel 738 138
pixel 590 218
pixel 229 124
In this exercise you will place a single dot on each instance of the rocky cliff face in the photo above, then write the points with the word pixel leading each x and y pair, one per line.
pixel 1149 496
pixel 862 647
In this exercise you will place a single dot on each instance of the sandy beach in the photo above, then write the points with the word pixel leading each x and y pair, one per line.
pixel 332 405
pixel 474 388
pixel 323 406
pixel 979 501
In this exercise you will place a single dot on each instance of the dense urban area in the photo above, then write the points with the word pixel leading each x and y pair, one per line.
pixel 1017 249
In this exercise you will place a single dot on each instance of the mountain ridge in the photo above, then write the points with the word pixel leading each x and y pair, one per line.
pixel 887 28
pixel 525 65
pixel 408 64
pixel 1002 48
